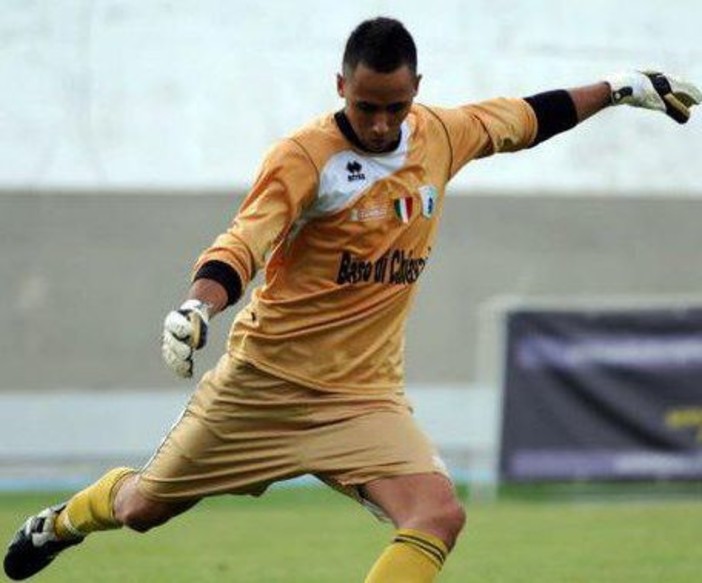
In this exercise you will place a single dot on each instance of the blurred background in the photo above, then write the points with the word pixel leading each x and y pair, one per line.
pixel 129 131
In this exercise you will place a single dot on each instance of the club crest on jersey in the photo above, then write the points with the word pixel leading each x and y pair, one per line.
pixel 429 194
pixel 403 208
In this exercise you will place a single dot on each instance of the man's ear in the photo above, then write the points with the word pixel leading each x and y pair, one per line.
pixel 340 85
pixel 416 84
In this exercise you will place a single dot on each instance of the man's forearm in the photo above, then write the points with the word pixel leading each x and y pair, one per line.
pixel 216 284
pixel 560 110
pixel 209 292
pixel 590 99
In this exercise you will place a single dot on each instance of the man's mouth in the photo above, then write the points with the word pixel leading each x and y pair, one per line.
pixel 378 143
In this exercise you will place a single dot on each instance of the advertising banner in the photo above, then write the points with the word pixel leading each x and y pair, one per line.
pixel 602 395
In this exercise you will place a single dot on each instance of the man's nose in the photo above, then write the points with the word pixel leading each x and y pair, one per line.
pixel 380 124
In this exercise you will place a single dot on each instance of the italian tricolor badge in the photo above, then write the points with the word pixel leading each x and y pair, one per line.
pixel 403 208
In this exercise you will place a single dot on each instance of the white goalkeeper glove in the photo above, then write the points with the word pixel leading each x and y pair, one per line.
pixel 656 91
pixel 184 332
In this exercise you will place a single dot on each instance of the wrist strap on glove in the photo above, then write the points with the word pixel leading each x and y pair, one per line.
pixel 198 314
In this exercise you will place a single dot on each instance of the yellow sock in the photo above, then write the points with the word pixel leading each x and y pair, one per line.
pixel 413 557
pixel 91 509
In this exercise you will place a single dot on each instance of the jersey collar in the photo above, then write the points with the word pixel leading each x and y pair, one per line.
pixel 345 128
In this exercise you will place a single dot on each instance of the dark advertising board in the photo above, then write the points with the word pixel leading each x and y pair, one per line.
pixel 602 395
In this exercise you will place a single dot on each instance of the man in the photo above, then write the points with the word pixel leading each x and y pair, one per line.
pixel 342 217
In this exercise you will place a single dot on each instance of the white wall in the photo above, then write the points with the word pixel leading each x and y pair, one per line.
pixel 67 438
pixel 122 94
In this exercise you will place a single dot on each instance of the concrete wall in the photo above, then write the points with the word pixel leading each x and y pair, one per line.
pixel 86 280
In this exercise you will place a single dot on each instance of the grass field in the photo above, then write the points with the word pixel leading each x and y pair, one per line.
pixel 311 535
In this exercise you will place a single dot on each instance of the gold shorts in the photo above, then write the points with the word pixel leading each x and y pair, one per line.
pixel 244 429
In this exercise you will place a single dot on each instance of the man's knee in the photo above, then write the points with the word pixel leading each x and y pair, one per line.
pixel 452 516
pixel 140 516
pixel 133 510
pixel 426 502
pixel 443 515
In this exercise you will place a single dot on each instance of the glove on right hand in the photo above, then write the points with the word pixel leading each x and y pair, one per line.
pixel 184 331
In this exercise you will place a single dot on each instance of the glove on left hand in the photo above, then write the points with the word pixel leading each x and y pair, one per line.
pixel 657 91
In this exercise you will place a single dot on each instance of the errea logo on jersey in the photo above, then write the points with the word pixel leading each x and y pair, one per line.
pixel 355 171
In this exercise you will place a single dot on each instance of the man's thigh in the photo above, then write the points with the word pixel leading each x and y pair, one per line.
pixel 245 429
pixel 371 445
pixel 381 444
pixel 235 436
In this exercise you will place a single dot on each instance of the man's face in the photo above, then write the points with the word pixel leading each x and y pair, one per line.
pixel 377 103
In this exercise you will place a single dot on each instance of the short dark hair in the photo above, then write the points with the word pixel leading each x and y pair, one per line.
pixel 382 44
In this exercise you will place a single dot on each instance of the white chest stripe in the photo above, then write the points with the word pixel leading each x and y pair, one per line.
pixel 348 174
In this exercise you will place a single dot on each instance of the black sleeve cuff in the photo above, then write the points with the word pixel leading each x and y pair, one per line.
pixel 225 275
pixel 555 113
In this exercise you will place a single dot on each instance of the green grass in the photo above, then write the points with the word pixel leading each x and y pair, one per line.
pixel 312 535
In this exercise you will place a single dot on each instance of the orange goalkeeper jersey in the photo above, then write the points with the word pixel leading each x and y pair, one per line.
pixel 344 236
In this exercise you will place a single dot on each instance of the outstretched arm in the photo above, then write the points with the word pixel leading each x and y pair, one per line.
pixel 590 99
pixel 558 111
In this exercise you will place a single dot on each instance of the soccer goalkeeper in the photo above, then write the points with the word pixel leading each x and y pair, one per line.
pixel 342 217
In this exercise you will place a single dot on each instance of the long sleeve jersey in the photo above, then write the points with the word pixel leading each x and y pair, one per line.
pixel 344 235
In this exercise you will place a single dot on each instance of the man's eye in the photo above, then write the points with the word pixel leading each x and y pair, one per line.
pixel 396 107
pixel 366 107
